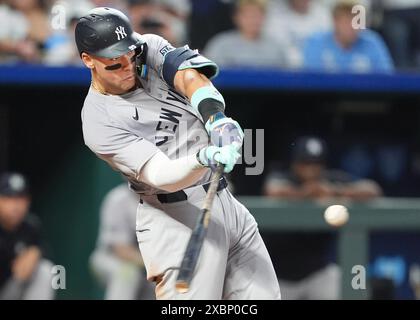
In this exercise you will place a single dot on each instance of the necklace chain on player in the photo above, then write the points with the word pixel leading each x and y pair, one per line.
pixel 99 90
pixel 104 92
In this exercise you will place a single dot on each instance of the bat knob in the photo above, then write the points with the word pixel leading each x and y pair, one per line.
pixel 182 287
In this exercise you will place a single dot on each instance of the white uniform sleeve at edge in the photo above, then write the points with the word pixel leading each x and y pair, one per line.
pixel 171 175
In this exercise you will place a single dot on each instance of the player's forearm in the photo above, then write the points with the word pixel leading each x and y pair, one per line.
pixel 204 97
pixel 356 194
pixel 30 255
pixel 288 193
pixel 128 253
pixel 24 264
pixel 362 190
pixel 172 175
pixel 189 81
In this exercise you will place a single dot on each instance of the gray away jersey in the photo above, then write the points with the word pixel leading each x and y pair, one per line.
pixel 127 130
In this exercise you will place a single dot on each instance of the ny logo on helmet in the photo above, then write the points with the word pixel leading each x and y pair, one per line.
pixel 120 32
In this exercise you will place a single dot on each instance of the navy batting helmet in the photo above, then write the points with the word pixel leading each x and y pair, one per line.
pixel 106 32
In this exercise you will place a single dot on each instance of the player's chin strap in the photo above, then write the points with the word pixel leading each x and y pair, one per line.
pixel 141 56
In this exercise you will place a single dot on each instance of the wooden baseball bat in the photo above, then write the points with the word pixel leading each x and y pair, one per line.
pixel 192 252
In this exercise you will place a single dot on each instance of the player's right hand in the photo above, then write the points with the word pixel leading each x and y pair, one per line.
pixel 227 155
pixel 224 131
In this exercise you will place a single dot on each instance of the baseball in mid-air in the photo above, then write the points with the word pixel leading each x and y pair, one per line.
pixel 336 215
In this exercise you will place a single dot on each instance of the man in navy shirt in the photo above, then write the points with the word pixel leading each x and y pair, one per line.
pixel 347 48
pixel 24 273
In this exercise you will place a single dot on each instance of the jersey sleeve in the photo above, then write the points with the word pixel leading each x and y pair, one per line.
pixel 157 52
pixel 121 149
pixel 157 48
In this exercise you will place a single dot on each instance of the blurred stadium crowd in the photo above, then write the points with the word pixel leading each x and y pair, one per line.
pixel 332 35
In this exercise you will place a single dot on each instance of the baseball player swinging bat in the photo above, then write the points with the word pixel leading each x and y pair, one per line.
pixel 192 252
pixel 148 80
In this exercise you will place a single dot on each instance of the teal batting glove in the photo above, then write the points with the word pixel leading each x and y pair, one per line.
pixel 227 155
pixel 224 131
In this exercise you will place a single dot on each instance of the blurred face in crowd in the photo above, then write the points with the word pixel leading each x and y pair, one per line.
pixel 101 3
pixel 13 210
pixel 300 6
pixel 345 34
pixel 24 5
pixel 114 76
pixel 308 171
pixel 249 18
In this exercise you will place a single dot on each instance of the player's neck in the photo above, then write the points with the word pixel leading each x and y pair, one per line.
pixel 95 85
pixel 98 86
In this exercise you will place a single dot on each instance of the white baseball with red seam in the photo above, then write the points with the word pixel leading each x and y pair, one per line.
pixel 336 215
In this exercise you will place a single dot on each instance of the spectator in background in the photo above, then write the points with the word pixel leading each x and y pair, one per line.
pixel 347 49
pixel 181 8
pixel 401 30
pixel 24 273
pixel 116 261
pixel 247 45
pixel 116 4
pixel 367 4
pixel 14 32
pixel 159 17
pixel 292 21
pixel 36 14
pixel 208 18
pixel 59 48
pixel 177 14
pixel 306 270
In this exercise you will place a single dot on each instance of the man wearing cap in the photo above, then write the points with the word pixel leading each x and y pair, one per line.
pixel 24 273
pixel 306 270
pixel 309 177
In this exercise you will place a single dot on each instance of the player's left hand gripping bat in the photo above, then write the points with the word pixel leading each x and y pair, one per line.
pixel 192 252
